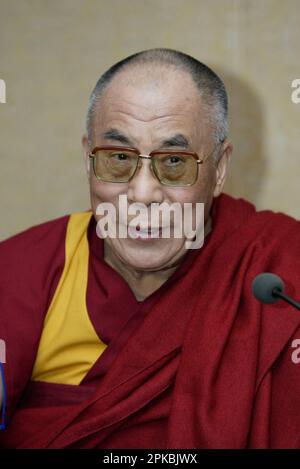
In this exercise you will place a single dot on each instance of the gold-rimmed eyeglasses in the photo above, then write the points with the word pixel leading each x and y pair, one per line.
pixel 171 167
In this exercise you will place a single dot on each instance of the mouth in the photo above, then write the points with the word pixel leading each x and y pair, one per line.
pixel 145 233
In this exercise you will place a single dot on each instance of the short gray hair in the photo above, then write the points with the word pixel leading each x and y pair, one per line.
pixel 211 87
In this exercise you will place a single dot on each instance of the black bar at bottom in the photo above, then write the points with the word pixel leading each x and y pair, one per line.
pixel 146 458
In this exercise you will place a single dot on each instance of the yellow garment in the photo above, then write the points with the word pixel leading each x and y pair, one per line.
pixel 69 344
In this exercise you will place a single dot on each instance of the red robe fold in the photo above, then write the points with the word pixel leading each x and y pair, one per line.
pixel 207 367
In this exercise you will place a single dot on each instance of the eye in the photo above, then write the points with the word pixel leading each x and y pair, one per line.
pixel 173 160
pixel 119 156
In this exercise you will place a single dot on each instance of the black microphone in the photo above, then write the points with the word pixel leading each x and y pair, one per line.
pixel 269 288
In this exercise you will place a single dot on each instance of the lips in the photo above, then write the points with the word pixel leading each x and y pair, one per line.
pixel 145 232
pixel 148 229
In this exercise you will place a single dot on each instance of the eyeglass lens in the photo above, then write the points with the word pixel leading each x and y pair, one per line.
pixel 170 169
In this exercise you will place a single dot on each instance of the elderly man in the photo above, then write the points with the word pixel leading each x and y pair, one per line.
pixel 137 341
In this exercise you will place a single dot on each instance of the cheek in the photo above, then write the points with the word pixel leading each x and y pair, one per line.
pixel 104 192
pixel 101 192
pixel 201 191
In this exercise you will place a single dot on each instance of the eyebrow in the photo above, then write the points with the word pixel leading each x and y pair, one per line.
pixel 178 140
pixel 114 134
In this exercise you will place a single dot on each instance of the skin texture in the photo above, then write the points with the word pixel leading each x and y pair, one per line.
pixel 149 105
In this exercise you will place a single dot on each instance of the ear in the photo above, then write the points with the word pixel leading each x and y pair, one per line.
pixel 222 167
pixel 86 151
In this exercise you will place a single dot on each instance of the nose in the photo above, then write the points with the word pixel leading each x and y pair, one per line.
pixel 144 187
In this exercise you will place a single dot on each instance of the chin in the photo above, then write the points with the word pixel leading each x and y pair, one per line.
pixel 149 256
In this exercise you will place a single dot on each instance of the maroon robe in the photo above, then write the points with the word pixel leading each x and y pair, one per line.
pixel 199 364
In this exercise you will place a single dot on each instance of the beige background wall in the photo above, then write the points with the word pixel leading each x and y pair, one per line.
pixel 52 52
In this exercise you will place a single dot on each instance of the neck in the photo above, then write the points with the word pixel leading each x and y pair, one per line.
pixel 143 283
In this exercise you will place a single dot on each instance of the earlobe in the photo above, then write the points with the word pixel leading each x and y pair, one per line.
pixel 222 168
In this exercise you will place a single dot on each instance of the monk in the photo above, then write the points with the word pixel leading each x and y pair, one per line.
pixel 141 342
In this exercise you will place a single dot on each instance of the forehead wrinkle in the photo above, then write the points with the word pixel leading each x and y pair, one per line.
pixel 176 139
pixel 150 119
pixel 119 104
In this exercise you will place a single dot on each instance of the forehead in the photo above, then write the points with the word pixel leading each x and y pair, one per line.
pixel 154 89
pixel 148 103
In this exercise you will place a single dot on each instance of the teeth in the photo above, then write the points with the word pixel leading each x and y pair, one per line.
pixel 154 232
pixel 144 233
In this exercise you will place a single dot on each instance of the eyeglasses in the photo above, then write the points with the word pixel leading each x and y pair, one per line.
pixel 171 167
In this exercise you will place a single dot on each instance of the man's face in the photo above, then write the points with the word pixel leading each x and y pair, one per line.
pixel 146 108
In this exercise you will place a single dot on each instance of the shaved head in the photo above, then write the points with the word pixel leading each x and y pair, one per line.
pixel 152 67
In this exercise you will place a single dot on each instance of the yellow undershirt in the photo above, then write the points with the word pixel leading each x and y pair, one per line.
pixel 69 344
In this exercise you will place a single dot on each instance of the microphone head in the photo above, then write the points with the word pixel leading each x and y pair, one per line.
pixel 263 286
